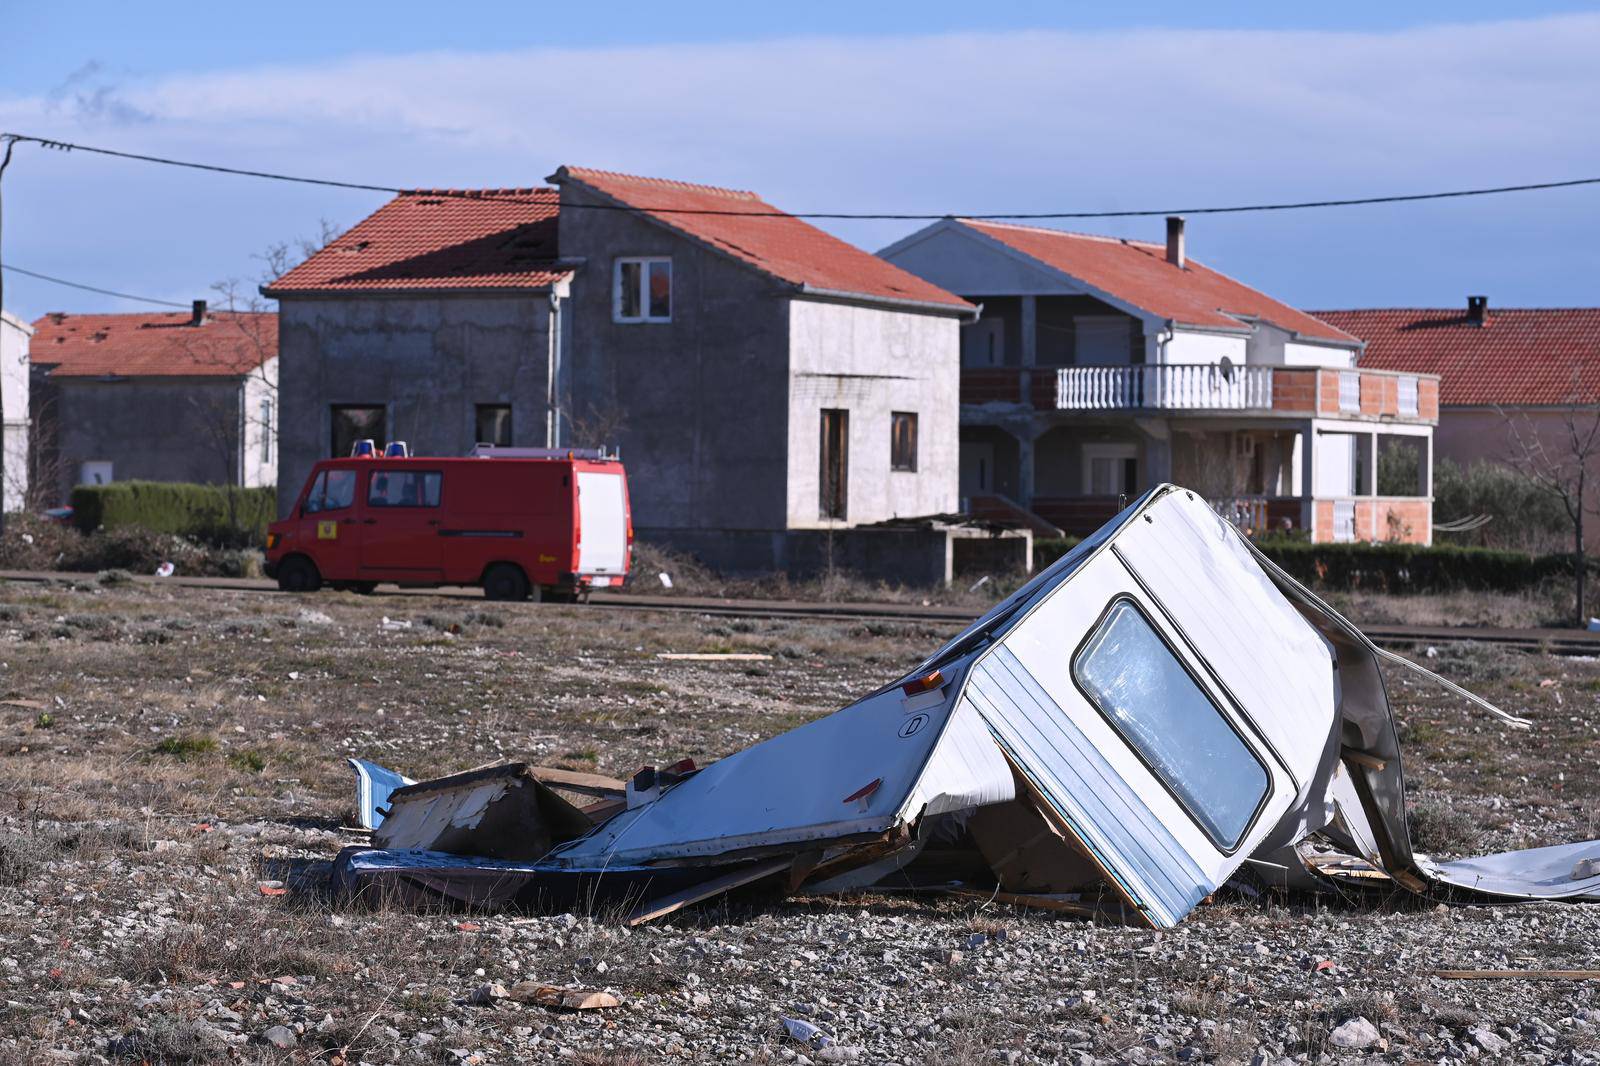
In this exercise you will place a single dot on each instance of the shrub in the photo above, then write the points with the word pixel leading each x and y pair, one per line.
pixel 219 514
pixel 1408 568
pixel 1521 515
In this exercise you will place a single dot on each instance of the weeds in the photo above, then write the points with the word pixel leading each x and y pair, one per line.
pixel 186 747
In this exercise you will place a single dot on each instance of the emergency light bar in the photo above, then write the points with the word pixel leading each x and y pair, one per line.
pixel 492 451
pixel 396 449
pixel 366 448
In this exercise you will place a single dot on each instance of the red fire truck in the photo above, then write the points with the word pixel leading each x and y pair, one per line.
pixel 517 521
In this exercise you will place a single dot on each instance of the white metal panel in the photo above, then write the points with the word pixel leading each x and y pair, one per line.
pixel 603 523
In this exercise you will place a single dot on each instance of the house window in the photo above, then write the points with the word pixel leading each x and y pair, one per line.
pixel 643 290
pixel 1102 340
pixel 1110 469
pixel 493 424
pixel 1349 390
pixel 834 466
pixel 404 488
pixel 1344 521
pixel 1133 678
pixel 903 441
pixel 266 431
pixel 1408 396
pixel 353 422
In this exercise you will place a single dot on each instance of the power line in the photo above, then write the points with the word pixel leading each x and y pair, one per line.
pixel 91 288
pixel 1298 205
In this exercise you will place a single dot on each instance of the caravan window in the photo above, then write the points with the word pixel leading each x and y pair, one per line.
pixel 1130 674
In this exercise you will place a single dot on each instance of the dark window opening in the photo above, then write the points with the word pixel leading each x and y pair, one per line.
pixel 903 441
pixel 494 424
pixel 835 464
pixel 404 488
pixel 353 422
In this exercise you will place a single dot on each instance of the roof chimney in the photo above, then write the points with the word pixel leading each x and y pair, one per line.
pixel 1175 254
pixel 1478 310
pixel 199 318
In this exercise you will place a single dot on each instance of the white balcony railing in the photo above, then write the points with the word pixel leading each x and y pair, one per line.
pixel 1172 386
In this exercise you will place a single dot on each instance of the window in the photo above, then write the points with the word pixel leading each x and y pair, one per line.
pixel 266 431
pixel 1110 469
pixel 1344 521
pixel 643 290
pixel 332 491
pixel 1349 390
pixel 494 424
pixel 1133 678
pixel 404 488
pixel 834 466
pixel 903 441
pixel 353 422
pixel 1102 340
pixel 1408 396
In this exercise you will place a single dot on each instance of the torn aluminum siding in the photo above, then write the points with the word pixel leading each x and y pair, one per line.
pixel 374 785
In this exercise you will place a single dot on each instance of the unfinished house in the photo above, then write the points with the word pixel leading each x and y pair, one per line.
pixel 14 338
pixel 772 389
pixel 1101 367
pixel 170 396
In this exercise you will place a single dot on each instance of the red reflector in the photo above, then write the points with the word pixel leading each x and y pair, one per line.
pixel 925 683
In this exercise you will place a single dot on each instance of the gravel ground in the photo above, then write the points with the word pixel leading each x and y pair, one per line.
pixel 172 788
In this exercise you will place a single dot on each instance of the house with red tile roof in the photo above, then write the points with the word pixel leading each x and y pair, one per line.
pixel 1101 366
pixel 1497 366
pixel 14 467
pixel 768 383
pixel 166 396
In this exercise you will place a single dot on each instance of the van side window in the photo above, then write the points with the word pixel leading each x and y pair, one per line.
pixel 404 488
pixel 332 491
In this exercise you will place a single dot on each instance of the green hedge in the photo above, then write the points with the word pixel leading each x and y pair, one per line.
pixel 213 513
pixel 1392 567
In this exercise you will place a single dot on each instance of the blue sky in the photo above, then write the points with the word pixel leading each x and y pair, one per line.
pixel 860 107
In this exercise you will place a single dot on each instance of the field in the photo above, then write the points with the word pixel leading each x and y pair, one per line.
pixel 172 786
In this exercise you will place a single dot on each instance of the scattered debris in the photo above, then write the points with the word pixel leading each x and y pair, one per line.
pixel 165 570
pixel 806 1033
pixel 562 998
pixel 1518 975
pixel 665 579
pixel 1209 711
pixel 715 657
pixel 392 624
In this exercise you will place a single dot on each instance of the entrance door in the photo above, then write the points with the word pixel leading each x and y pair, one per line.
pixel 1110 469
pixel 330 527
pixel 834 468
pixel 402 525
pixel 977 468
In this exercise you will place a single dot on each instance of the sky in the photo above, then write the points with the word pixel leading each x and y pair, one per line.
pixel 890 107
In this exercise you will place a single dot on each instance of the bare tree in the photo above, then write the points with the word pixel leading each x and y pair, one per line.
pixel 1557 461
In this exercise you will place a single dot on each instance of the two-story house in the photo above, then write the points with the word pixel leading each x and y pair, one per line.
pixel 14 465
pixel 765 381
pixel 1102 366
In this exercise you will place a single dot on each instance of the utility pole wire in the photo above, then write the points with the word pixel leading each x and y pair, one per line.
pixel 92 288
pixel 1299 205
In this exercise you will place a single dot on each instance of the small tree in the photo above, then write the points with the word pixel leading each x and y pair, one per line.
pixel 1560 467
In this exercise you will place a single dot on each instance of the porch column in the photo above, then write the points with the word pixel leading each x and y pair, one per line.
pixel 1305 480
pixel 1025 475
pixel 1030 352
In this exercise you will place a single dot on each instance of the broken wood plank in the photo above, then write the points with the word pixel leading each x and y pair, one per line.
pixel 29 705
pixel 665 905
pixel 1042 901
pixel 1518 975
pixel 563 998
pixel 584 784
pixel 1361 758
pixel 715 657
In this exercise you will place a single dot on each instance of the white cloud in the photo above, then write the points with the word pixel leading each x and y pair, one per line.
pixel 1016 121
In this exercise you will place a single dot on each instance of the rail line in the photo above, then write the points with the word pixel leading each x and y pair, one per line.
pixel 1551 641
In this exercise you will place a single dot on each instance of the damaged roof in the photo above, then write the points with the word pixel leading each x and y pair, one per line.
pixel 159 344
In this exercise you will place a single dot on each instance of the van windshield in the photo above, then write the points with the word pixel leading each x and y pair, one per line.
pixel 332 491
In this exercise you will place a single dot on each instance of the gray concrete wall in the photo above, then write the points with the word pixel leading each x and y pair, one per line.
pixel 14 375
pixel 698 404
pixel 158 429
pixel 427 359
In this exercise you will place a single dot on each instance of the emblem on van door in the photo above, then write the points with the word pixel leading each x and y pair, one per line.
pixel 327 531
pixel 913 724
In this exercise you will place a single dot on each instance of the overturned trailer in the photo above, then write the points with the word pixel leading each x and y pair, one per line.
pixel 1158 708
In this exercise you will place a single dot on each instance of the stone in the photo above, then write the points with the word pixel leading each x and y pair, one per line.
pixel 281 1037
pixel 1354 1035
pixel 488 993
pixel 1488 1041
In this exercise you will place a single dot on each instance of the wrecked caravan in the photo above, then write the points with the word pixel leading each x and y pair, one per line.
pixel 1156 709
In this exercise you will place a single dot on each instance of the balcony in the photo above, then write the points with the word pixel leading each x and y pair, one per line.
pixel 1170 387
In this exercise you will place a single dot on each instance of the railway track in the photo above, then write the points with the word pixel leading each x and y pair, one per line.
pixel 1552 641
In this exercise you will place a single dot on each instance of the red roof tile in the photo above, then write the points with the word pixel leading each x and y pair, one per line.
pixel 1137 273
pixel 779 245
pixel 229 344
pixel 440 239
pixel 1523 355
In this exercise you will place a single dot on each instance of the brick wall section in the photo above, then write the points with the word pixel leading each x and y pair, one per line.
pixel 1380 395
pixel 996 385
pixel 1403 520
pixel 1327 392
pixel 1322 532
pixel 1428 399
pixel 1294 390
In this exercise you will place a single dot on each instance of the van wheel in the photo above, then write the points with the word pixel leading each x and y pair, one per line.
pixel 503 581
pixel 298 574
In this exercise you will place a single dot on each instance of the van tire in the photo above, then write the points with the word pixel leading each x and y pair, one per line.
pixel 298 574
pixel 502 581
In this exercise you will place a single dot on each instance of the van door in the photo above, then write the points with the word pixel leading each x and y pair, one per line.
pixel 330 529
pixel 603 523
pixel 401 520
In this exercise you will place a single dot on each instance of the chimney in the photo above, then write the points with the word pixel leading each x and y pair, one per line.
pixel 199 318
pixel 1175 254
pixel 1478 310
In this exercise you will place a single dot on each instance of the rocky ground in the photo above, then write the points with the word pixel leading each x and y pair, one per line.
pixel 172 786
